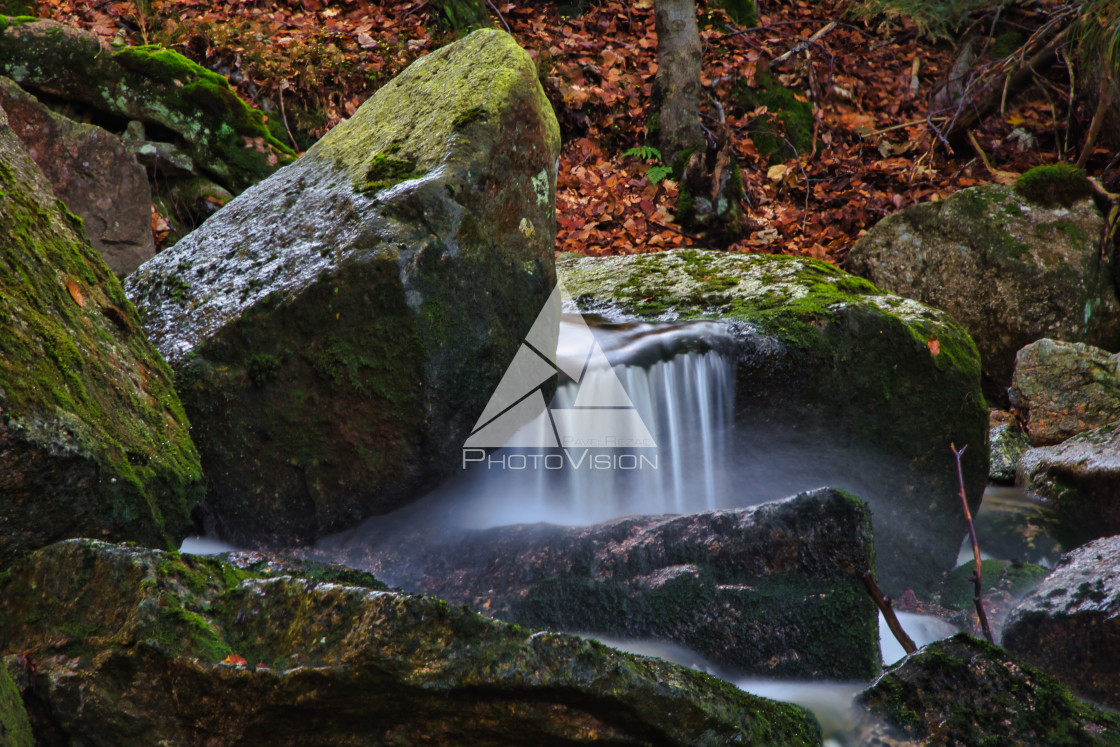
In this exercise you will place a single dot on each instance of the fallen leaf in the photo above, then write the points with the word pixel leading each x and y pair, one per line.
pixel 75 291
pixel 934 346
pixel 235 660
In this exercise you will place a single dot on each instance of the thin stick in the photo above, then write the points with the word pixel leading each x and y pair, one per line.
pixel 976 575
pixel 885 607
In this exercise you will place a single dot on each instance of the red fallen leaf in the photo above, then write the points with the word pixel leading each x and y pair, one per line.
pixel 235 660
pixel 934 346
pixel 75 292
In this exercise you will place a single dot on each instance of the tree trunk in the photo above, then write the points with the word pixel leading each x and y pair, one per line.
pixel 678 77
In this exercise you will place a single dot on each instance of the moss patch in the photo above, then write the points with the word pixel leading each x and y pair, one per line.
pixel 1054 184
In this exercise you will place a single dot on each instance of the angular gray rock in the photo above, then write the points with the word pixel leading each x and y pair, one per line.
pixel 337 329
pixel 1070 625
pixel 93 173
pixel 93 439
pixel 963 691
pixel 140 647
pixel 1065 388
pixel 1080 479
pixel 837 383
pixel 749 589
pixel 1010 270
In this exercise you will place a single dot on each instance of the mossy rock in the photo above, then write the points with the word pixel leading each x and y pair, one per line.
pixel 1009 269
pixel 1010 576
pixel 794 115
pixel 1054 185
pixel 93 439
pixel 15 729
pixel 136 646
pixel 337 330
pixel 827 362
pixel 463 15
pixel 966 691
pixel 743 12
pixel 224 137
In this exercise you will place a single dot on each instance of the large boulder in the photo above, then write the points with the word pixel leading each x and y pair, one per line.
pixel 1064 388
pixel 337 329
pixel 1070 625
pixel 748 589
pixel 963 691
pixel 1008 267
pixel 838 383
pixel 93 173
pixel 1080 479
pixel 137 647
pixel 220 135
pixel 93 440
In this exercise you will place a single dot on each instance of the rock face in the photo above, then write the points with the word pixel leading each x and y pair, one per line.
pixel 1070 625
pixel 135 646
pixel 93 173
pixel 838 383
pixel 93 440
pixel 966 691
pixel 1080 478
pixel 749 589
pixel 1010 270
pixel 337 329
pixel 1007 443
pixel 1065 388
pixel 219 134
pixel 15 729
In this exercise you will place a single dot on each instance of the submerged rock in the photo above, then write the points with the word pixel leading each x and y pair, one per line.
pixel 1080 479
pixel 337 329
pixel 136 646
pixel 962 691
pixel 1065 388
pixel 750 589
pixel 1070 625
pixel 1010 269
pixel 93 440
pixel 91 171
pixel 219 133
pixel 838 383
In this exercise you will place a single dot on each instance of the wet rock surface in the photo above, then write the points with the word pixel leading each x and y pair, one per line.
pixel 135 646
pixel 828 367
pixel 93 173
pixel 1064 388
pixel 93 439
pixel 965 691
pixel 1011 270
pixel 750 589
pixel 1070 625
pixel 337 329
pixel 1007 443
pixel 1080 479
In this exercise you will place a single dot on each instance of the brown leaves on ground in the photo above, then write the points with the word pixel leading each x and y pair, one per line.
pixel 876 148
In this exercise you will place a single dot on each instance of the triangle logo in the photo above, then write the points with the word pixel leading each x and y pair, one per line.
pixel 602 414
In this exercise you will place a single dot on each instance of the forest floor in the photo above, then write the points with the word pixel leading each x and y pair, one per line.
pixel 880 93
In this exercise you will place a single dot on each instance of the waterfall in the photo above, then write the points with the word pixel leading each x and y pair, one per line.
pixel 681 383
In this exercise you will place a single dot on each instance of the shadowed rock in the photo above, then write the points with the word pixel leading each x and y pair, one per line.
pixel 135 646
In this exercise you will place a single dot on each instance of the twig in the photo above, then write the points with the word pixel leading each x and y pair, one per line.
pixel 283 115
pixel 976 575
pixel 1098 120
pixel 500 16
pixel 885 607
pixel 805 44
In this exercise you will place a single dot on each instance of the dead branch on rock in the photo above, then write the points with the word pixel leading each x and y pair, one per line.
pixel 976 574
pixel 887 609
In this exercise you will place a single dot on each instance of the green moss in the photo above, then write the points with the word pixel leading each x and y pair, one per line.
pixel 1055 184
pixel 15 728
pixel 262 368
pixel 788 118
pixel 1013 577
pixel 1005 44
pixel 743 12
pixel 386 170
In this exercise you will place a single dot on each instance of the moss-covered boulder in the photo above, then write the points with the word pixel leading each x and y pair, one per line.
pixel 1009 268
pixel 749 589
pixel 15 729
pixel 1064 388
pixel 337 329
pixel 139 647
pixel 838 383
pixel 222 136
pixel 93 440
pixel 1070 625
pixel 963 691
